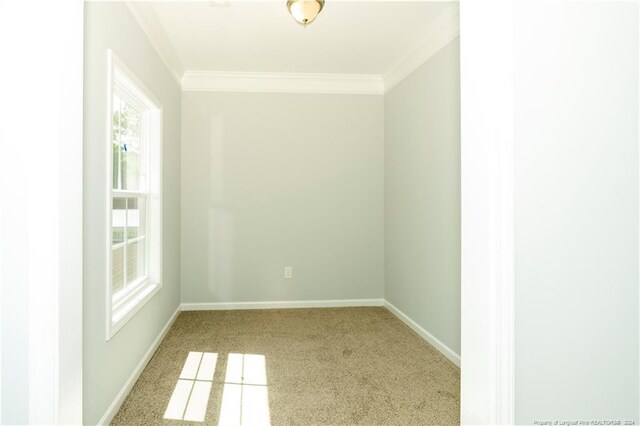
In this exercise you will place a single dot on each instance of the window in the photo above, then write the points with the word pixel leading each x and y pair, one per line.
pixel 134 145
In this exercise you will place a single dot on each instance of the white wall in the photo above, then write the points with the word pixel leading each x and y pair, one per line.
pixel 41 213
pixel 275 180
pixel 576 201
pixel 422 195
pixel 107 365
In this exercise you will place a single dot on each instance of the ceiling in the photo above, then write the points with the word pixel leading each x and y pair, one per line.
pixel 347 37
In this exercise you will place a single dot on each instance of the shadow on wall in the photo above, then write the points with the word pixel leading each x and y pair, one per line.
pixel 220 221
pixel 245 397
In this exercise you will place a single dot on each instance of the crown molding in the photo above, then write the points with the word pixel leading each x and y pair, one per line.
pixel 215 81
pixel 148 20
pixel 446 29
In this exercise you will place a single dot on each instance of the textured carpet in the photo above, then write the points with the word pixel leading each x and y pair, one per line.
pixel 333 366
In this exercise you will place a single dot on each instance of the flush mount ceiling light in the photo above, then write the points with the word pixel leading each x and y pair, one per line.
pixel 304 11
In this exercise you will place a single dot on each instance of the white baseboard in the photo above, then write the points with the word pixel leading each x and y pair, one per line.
pixel 115 405
pixel 434 341
pixel 282 304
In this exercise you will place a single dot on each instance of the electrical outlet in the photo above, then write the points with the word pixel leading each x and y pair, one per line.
pixel 288 272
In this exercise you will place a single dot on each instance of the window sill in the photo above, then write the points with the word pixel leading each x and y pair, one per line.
pixel 125 311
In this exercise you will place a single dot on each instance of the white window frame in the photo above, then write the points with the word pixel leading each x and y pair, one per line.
pixel 123 305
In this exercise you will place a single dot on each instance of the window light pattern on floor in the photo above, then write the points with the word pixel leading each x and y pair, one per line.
pixel 191 394
pixel 245 399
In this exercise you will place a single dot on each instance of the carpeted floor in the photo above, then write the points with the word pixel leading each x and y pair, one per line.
pixel 333 366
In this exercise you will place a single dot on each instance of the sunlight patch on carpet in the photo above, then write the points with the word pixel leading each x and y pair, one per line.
pixel 191 394
pixel 245 398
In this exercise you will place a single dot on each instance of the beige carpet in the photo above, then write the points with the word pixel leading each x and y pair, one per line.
pixel 323 366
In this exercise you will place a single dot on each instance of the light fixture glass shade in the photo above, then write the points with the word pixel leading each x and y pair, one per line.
pixel 304 11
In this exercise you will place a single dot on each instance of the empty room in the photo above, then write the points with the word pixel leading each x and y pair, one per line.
pixel 296 168
pixel 320 212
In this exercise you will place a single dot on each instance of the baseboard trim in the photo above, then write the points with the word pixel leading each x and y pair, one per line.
pixel 230 306
pixel 115 405
pixel 430 338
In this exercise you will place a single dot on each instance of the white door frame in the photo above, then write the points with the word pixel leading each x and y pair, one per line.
pixel 487 164
pixel 42 45
pixel 55 396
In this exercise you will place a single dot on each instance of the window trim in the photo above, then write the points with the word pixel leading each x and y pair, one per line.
pixel 120 311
